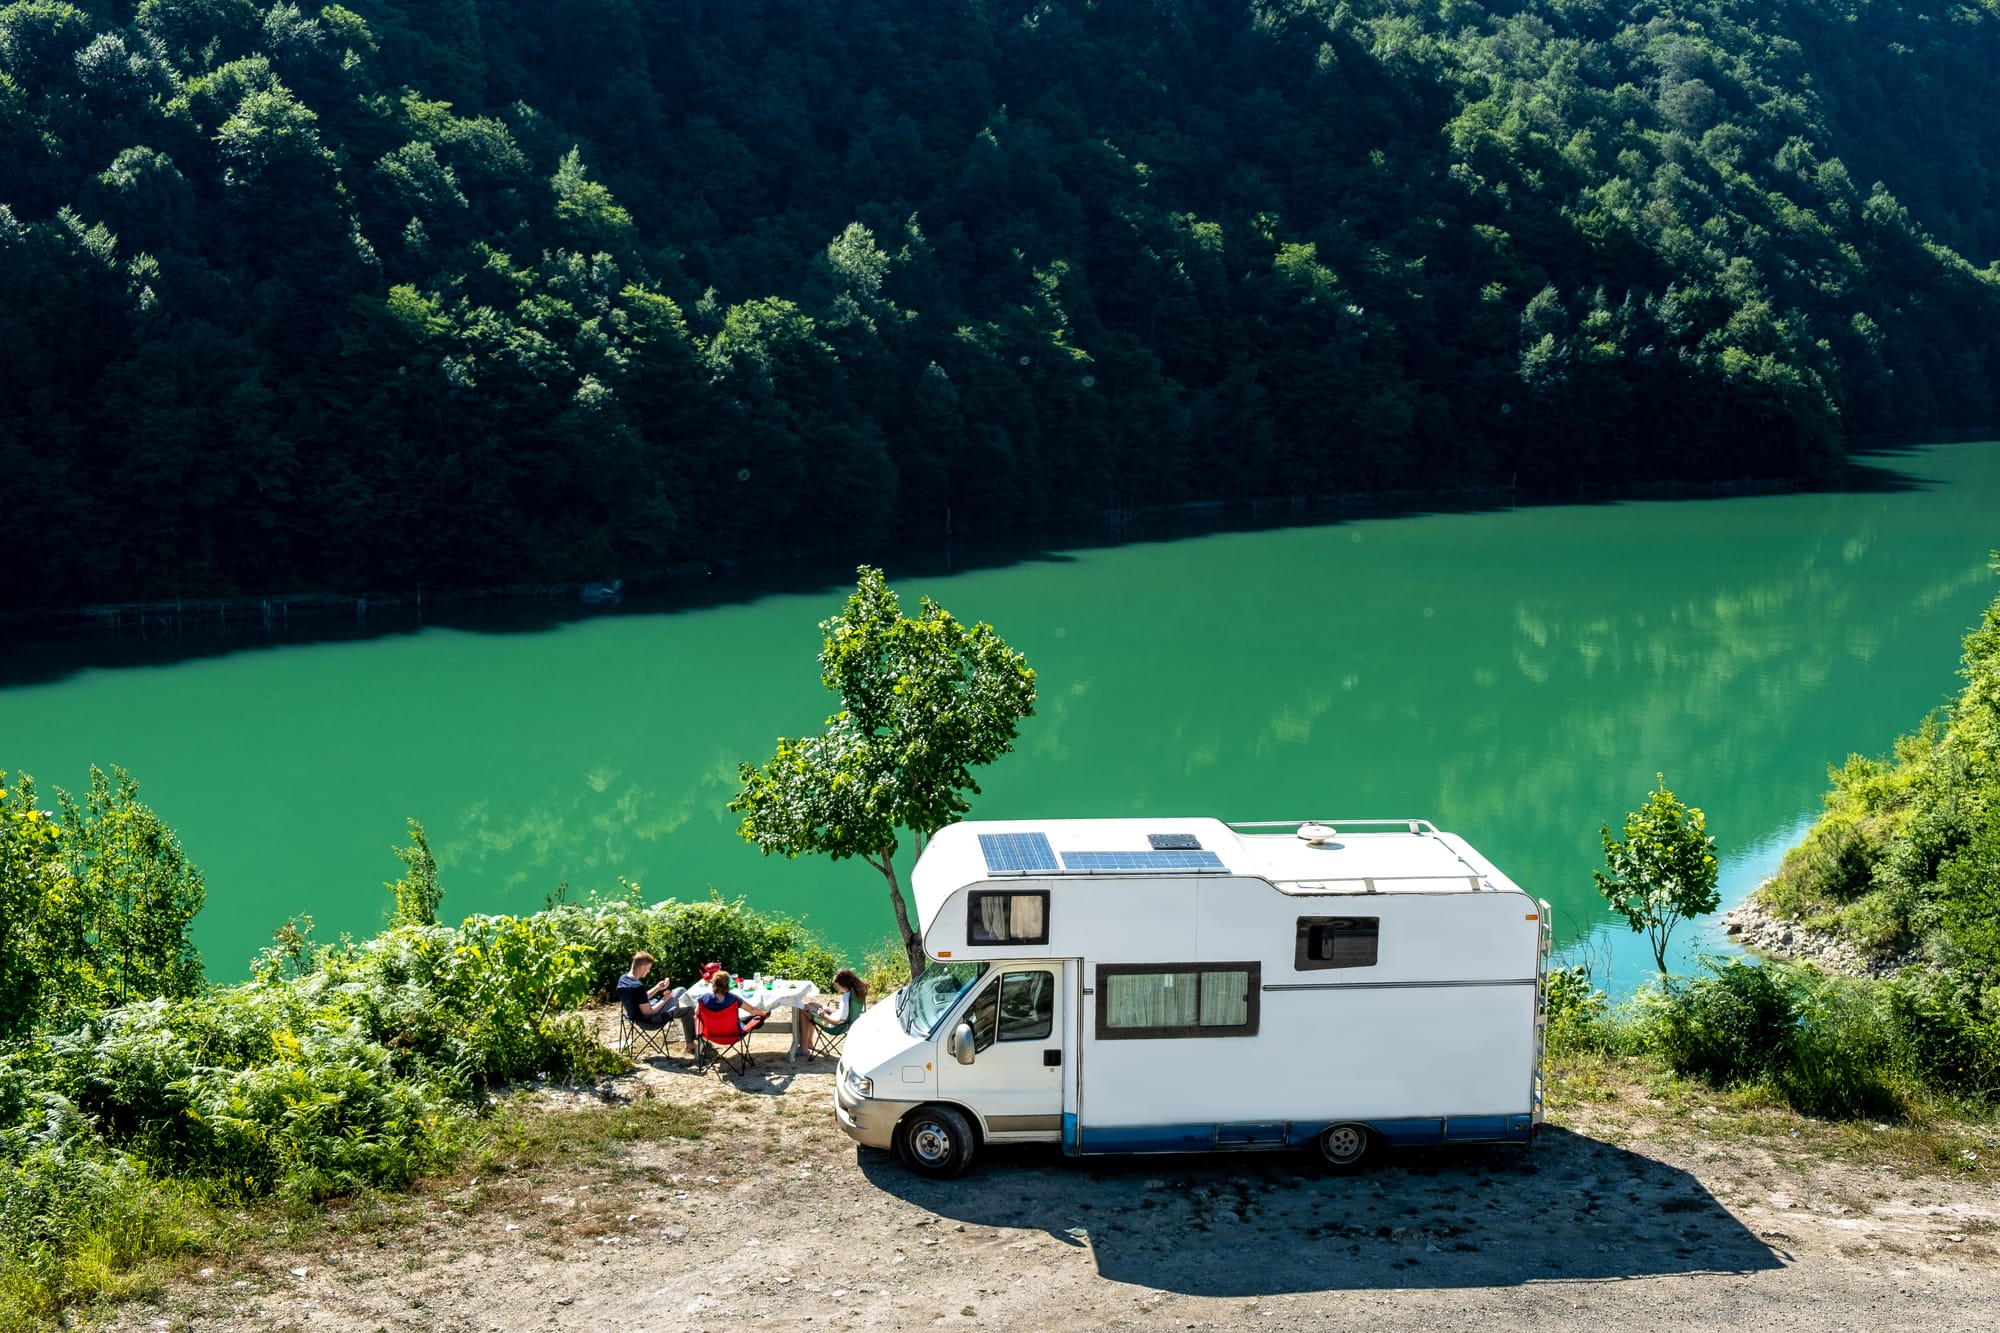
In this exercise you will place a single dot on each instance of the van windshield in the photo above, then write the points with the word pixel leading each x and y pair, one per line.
pixel 925 1001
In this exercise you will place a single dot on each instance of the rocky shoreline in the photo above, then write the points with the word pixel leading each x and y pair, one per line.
pixel 1753 927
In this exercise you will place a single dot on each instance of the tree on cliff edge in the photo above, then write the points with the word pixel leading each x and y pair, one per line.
pixel 923 701
pixel 1663 871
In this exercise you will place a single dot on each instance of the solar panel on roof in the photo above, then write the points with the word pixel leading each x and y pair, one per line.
pixel 1017 853
pixel 1088 862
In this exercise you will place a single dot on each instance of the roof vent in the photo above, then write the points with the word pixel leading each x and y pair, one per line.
pixel 1317 835
pixel 1173 842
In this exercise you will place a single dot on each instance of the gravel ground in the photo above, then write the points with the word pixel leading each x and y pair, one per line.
pixel 773 1218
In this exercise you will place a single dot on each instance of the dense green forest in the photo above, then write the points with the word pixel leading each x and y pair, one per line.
pixel 393 294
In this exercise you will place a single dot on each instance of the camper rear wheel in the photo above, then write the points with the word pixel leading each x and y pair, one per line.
pixel 935 1141
pixel 1344 1146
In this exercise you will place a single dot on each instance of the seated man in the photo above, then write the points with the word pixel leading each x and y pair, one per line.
pixel 651 1007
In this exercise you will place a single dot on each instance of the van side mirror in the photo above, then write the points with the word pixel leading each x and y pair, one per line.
pixel 959 1045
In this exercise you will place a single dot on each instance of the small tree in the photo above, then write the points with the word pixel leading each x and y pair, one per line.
pixel 418 892
pixel 1663 871
pixel 29 860
pixel 923 701
pixel 118 900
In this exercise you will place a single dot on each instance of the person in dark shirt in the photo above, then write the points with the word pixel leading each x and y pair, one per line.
pixel 652 1006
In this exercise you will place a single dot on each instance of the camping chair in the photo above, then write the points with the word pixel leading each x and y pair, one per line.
pixel 723 1039
pixel 638 1034
pixel 824 1043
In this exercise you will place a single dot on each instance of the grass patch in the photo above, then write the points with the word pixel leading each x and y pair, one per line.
pixel 154 1229
pixel 1931 1137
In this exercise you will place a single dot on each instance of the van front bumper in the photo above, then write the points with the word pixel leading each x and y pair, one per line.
pixel 869 1121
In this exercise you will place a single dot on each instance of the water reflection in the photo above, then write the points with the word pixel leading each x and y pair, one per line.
pixel 1518 676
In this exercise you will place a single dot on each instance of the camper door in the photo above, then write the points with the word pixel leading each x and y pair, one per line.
pixel 1015 1078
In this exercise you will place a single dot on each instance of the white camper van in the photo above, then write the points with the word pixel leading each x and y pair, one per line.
pixel 1175 985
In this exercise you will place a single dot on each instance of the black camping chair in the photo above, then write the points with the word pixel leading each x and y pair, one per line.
pixel 638 1032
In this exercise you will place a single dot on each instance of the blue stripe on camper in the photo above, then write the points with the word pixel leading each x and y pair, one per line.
pixel 1487 1129
pixel 1269 1134
pixel 1408 1133
pixel 1147 1138
pixel 1278 1134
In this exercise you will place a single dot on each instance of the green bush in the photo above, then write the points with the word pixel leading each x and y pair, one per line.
pixel 1840 1059
pixel 885 968
pixel 1949 1031
pixel 327 1116
pixel 1834 1047
pixel 337 1068
pixel 1728 1027
pixel 1578 1013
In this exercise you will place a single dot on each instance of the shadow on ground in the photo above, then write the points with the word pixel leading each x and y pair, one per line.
pixel 1571 1208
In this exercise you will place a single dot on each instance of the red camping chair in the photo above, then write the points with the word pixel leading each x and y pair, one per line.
pixel 725 1038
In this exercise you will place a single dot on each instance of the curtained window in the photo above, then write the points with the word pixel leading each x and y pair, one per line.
pixel 1177 1000
pixel 1007 917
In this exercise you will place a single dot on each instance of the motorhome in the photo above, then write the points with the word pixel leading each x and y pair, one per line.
pixel 1178 985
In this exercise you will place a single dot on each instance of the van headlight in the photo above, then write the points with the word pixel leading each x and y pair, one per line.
pixel 859 1086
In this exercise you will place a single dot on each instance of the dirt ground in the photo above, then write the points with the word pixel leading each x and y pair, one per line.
pixel 773 1218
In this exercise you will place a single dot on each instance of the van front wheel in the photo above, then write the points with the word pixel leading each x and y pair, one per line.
pixel 935 1141
pixel 1344 1146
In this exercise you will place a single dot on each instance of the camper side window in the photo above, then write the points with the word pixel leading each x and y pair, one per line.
pixel 1024 1005
pixel 1337 941
pixel 1147 1000
pixel 1007 918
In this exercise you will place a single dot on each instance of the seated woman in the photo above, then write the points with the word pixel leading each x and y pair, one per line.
pixel 720 1000
pixel 836 1016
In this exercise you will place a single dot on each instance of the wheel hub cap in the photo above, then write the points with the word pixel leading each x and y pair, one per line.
pixel 932 1143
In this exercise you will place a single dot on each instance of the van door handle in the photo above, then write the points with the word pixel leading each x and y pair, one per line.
pixel 1052 1057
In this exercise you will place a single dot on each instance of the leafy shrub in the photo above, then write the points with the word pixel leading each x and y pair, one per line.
pixel 1830 1046
pixel 1727 1027
pixel 1968 882
pixel 336 1068
pixel 95 905
pixel 55 1173
pixel 328 1116
pixel 1834 863
pixel 1948 1030
pixel 885 968
pixel 322 1112
pixel 1578 1012
pixel 1840 1057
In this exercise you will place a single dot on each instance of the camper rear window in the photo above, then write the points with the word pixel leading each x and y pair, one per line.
pixel 1140 1000
pixel 1337 941
pixel 1007 918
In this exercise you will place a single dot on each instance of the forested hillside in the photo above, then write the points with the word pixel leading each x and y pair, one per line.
pixel 458 292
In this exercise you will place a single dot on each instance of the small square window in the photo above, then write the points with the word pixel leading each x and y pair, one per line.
pixel 1337 941
pixel 1006 917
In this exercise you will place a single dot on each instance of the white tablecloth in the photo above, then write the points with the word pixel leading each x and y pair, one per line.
pixel 778 995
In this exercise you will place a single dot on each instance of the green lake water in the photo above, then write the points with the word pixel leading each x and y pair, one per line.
pixel 1517 676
